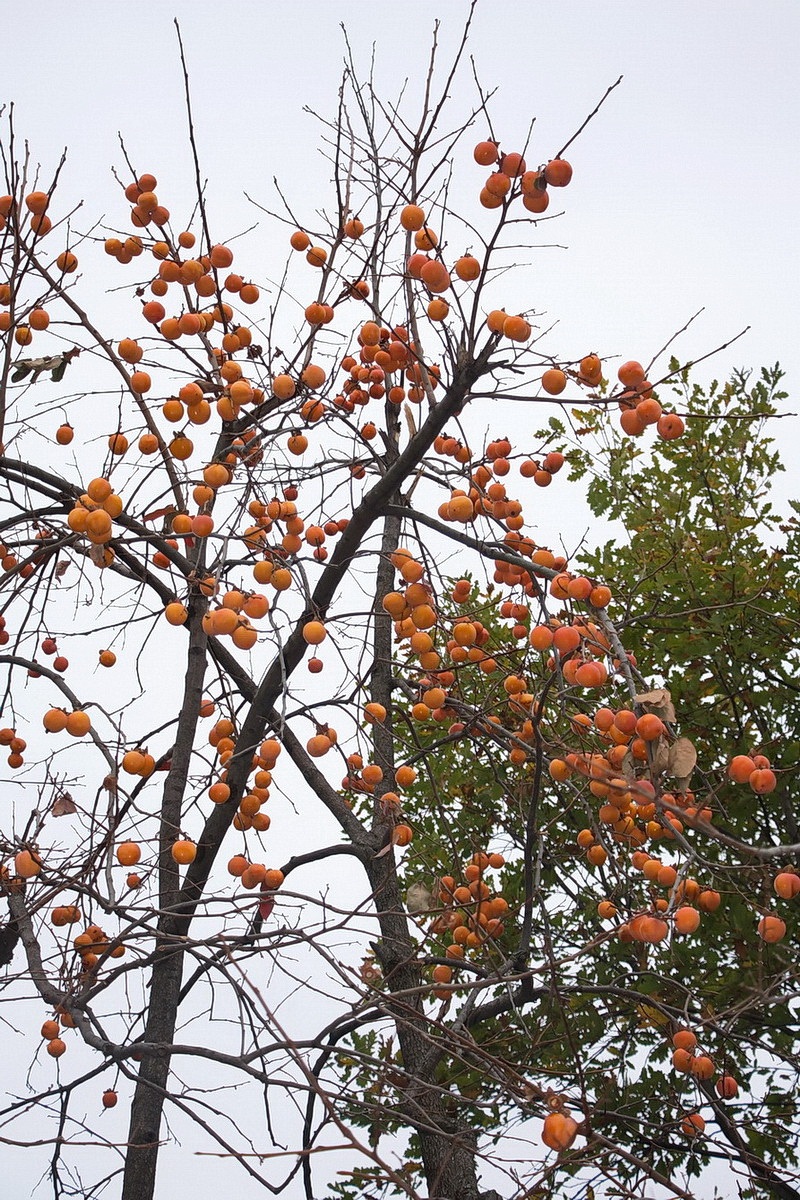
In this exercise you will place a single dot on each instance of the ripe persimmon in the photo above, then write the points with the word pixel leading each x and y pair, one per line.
pixel 176 613
pixel 78 723
pixel 787 885
pixel 27 864
pixel 490 200
pixel 591 674
pixel 133 762
pixel 318 745
pixel 670 426
pixel 314 632
pixel 702 1067
pixel 140 382
pixel 682 1060
pixel 485 153
pixel 536 202
pixel 202 524
pixel 435 276
pixel 740 768
pixel 55 720
pixel 771 928
pixel 426 239
pixel 128 853
pixel 516 328
pixel 763 781
pixel 38 319
pixel 591 369
pixel 631 423
pixel 559 1131
pixel 554 381
pixel 412 218
pixel 220 256
pixel 693 1125
pixel 313 376
pixel 631 374
pixel 687 919
pixel 727 1087
pixel 649 727
pixel 467 268
pixel 558 172
pixel 498 184
pixel 37 202
pixel 183 851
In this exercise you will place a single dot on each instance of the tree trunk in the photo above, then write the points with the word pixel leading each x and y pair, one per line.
pixel 139 1179
pixel 151 1086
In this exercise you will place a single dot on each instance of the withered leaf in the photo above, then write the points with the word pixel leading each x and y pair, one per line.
pixel 658 702
pixel 63 805
pixel 660 756
pixel 418 898
pixel 410 422
pixel 627 768
pixel 682 758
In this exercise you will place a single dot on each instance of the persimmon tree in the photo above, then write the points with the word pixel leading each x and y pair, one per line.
pixel 291 694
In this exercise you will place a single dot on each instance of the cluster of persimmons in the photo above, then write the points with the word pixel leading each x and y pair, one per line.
pixel 448 645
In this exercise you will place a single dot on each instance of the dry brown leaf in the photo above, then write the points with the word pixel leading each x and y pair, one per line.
pixel 63 805
pixel 627 768
pixel 659 760
pixel 418 898
pixel 658 702
pixel 682 758
pixel 410 422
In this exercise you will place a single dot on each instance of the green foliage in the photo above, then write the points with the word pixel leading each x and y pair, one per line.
pixel 708 573
pixel 704 575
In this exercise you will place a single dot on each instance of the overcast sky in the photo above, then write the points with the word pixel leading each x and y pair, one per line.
pixel 685 187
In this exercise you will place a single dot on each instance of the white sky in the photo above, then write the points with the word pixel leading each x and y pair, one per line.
pixel 685 188
pixel 686 184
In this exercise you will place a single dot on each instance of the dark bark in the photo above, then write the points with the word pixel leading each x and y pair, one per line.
pixel 165 985
pixel 447 1147
pixel 148 1101
pixel 9 936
